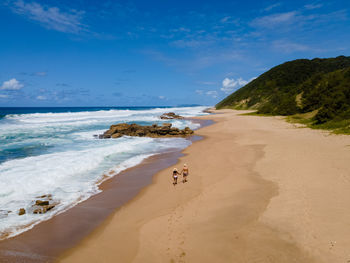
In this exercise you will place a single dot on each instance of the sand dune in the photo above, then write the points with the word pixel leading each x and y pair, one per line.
pixel 259 190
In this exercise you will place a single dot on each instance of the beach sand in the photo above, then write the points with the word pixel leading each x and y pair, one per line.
pixel 259 190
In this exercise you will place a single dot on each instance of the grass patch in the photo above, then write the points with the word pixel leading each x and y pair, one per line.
pixel 336 127
pixel 255 113
pixel 307 119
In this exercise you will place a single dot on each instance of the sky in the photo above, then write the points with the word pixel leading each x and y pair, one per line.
pixel 156 53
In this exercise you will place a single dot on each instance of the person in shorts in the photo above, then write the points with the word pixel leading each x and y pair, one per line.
pixel 185 173
pixel 175 176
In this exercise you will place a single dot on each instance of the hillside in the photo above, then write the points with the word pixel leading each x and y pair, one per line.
pixel 299 88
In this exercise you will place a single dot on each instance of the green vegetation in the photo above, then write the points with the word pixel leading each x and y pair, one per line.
pixel 314 92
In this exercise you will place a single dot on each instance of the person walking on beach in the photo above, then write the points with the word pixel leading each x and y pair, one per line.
pixel 175 175
pixel 185 173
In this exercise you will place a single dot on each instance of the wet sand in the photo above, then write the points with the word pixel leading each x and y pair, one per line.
pixel 259 190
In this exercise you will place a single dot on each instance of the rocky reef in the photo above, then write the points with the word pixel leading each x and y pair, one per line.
pixel 170 116
pixel 154 131
pixel 43 204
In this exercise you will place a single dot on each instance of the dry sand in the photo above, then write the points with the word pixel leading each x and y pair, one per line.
pixel 259 190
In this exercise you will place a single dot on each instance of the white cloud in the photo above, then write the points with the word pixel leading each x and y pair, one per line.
pixel 313 6
pixel 199 91
pixel 270 7
pixel 161 97
pixel 41 97
pixel 2 96
pixel 275 19
pixel 288 47
pixel 192 43
pixel 180 29
pixel 12 84
pixel 225 19
pixel 206 82
pixel 229 20
pixel 229 85
pixel 51 17
pixel 212 93
pixel 40 74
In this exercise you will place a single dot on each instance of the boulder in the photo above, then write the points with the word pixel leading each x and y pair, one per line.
pixel 188 130
pixel 43 209
pixel 21 211
pixel 48 196
pixel 43 204
pixel 170 116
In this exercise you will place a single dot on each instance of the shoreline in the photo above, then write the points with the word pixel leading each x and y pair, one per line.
pixel 260 190
pixel 49 239
pixel 252 196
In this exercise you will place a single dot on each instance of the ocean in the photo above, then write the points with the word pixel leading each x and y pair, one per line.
pixel 54 151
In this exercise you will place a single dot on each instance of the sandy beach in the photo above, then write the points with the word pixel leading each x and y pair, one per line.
pixel 259 190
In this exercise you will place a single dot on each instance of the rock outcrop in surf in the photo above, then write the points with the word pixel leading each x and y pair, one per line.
pixel 154 131
pixel 41 205
pixel 170 116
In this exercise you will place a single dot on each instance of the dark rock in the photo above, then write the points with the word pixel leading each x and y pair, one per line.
pixel 140 133
pixel 116 135
pixel 209 110
pixel 41 203
pixel 170 116
pixel 154 131
pixel 44 204
pixel 167 125
pixel 174 131
pixel 21 211
pixel 48 196
pixel 38 211
pixel 43 209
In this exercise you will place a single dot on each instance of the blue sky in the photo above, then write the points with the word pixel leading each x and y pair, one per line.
pixel 122 53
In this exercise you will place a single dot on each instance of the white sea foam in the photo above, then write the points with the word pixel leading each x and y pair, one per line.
pixel 147 115
pixel 62 157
